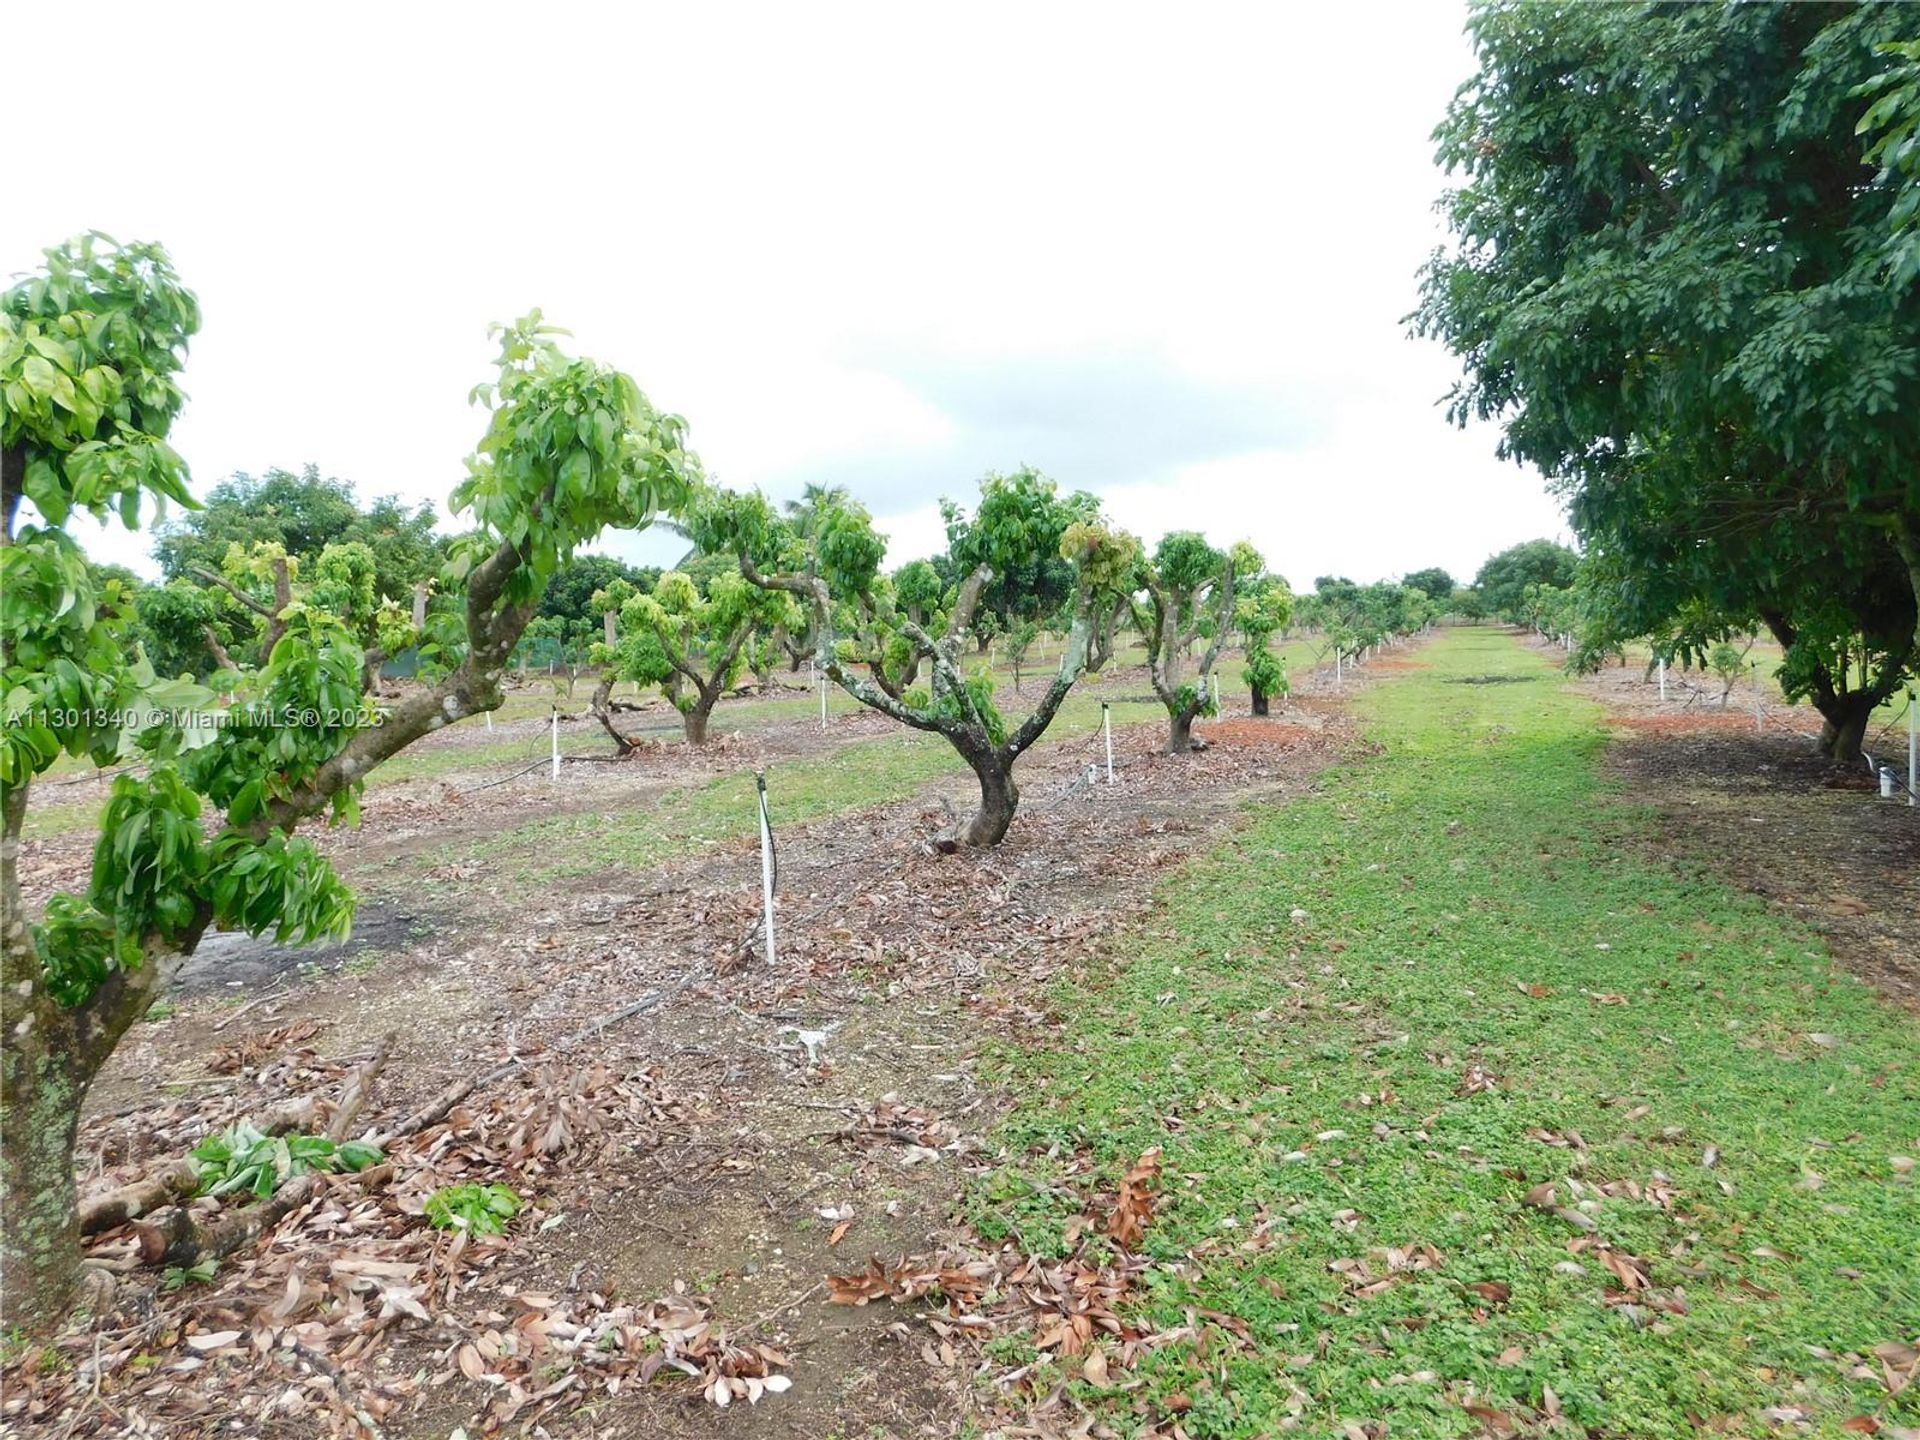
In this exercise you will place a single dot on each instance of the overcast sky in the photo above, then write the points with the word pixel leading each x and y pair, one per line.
pixel 1160 253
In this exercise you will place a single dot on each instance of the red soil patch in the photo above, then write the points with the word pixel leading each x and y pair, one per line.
pixel 1248 731
pixel 1678 722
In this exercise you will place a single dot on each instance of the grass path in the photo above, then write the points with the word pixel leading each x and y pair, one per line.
pixel 1737 1230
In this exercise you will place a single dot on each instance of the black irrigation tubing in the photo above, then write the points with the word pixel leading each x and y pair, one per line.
pixel 97 776
pixel 474 789
pixel 1898 716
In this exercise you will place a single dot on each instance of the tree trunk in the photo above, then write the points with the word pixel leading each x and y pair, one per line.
pixel 1906 539
pixel 602 708
pixel 1845 727
pixel 40 1250
pixel 1102 644
pixel 1259 702
pixel 43 1082
pixel 695 719
pixel 1180 732
pixel 999 798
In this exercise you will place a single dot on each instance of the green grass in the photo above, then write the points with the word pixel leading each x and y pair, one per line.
pixel 1480 852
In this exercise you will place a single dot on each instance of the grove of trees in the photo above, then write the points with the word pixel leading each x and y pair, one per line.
pixel 1504 580
pixel 239 697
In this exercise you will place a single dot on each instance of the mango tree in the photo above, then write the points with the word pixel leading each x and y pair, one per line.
pixel 1259 615
pixel 90 351
pixel 677 634
pixel 1015 530
pixel 1188 583
pixel 842 558
pixel 1702 326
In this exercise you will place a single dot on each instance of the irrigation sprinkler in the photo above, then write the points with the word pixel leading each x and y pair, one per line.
pixel 1886 782
pixel 766 857
pixel 1106 725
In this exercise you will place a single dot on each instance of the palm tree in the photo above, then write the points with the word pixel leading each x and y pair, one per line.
pixel 814 499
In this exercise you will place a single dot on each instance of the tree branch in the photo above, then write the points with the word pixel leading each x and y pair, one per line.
pixel 1073 664
pixel 493 629
pixel 1223 619
pixel 259 607
pixel 220 655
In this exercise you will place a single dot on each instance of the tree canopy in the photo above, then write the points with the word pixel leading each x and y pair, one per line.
pixel 303 514
pixel 1504 578
pixel 1016 530
pixel 1678 285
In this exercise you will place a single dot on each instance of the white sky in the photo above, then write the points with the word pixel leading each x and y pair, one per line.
pixel 1160 253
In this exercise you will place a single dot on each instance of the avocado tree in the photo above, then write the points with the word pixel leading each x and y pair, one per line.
pixel 677 634
pixel 302 514
pixel 90 351
pixel 918 590
pixel 175 627
pixel 841 558
pixel 1189 586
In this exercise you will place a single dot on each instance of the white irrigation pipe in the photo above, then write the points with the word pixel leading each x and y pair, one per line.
pixel 489 722
pixel 766 858
pixel 1759 718
pixel 1106 724
pixel 823 700
pixel 1913 749
pixel 556 742
pixel 1663 680
pixel 1215 678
